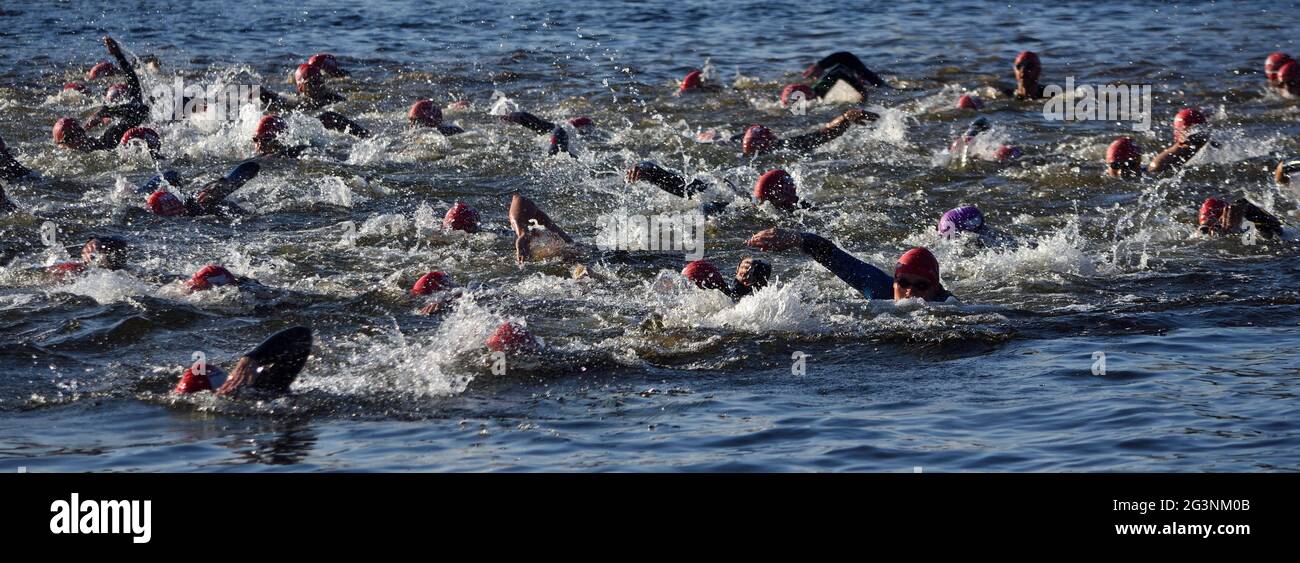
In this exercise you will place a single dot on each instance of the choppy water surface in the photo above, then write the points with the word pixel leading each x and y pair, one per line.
pixel 1200 336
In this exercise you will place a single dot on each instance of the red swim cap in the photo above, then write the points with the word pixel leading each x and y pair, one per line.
pixel 101 69
pixel 1275 62
pixel 918 262
pixel 66 126
pixel 114 92
pixel 967 101
pixel 461 217
pixel 1007 152
pixel 327 63
pixel 1187 118
pixel 704 274
pixel 583 124
pixel 269 127
pixel 776 186
pixel 165 203
pixel 1212 212
pixel 789 90
pixel 692 81
pixel 511 338
pixel 1289 73
pixel 210 276
pixel 63 269
pixel 192 382
pixel 1028 57
pixel 1123 149
pixel 149 136
pixel 76 86
pixel 425 113
pixel 431 282
pixel 758 139
pixel 306 73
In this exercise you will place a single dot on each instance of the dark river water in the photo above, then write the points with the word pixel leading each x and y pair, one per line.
pixel 1200 337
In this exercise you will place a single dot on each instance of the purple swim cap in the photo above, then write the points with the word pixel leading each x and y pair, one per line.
pixel 964 218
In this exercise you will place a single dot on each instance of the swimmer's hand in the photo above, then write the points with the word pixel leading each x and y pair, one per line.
pixel 113 48
pixel 522 250
pixel 649 172
pixel 774 240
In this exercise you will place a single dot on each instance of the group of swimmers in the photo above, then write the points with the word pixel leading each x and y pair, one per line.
pixel 274 364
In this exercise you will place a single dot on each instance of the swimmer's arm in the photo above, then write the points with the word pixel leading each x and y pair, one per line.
pixel 867 279
pixel 1267 225
pixel 1282 175
pixel 529 121
pixel 1170 158
pixel 830 131
pixel 133 89
pixel 449 130
pixel 338 122
pixel 666 180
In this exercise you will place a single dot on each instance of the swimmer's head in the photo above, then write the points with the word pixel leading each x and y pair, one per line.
pixel 328 64
pixel 777 186
pixel 425 113
pixel 1124 158
pixel 68 133
pixel 967 101
pixel 694 80
pixel 1028 67
pixel 753 273
pixel 1185 121
pixel 1006 153
pixel 208 277
pixel 430 283
pixel 916 275
pixel 308 79
pixel 1273 64
pixel 105 252
pixel 100 70
pixel 77 87
pixel 583 125
pixel 788 94
pixel 1289 75
pixel 512 338
pixel 268 129
pixel 165 203
pixel 704 275
pixel 115 93
pixel 966 218
pixel 461 217
pixel 1215 218
pixel 143 135
pixel 758 139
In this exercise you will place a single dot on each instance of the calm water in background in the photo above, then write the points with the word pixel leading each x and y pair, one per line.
pixel 1201 337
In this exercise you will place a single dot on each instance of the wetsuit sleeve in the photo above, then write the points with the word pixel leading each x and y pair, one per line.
pixel 809 141
pixel 871 281
pixel 1265 222
pixel 530 121
pixel 133 89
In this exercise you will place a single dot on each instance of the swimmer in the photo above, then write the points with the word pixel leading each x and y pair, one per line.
pixel 104 252
pixel 775 186
pixel 1190 136
pixel 1219 218
pixel 1124 159
pixel 424 113
pixel 537 237
pixel 1288 78
pixel 836 67
pixel 267 370
pixel 266 137
pixel 559 137
pixel 963 144
pixel 1272 65
pixel 70 134
pixel 1029 69
pixel 758 139
pixel 752 274
pixel 208 200
pixel 916 274
pixel 439 287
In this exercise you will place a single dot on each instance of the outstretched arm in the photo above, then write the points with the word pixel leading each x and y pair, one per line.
pixel 530 121
pixel 867 279
pixel 133 89
pixel 1267 225
pixel 666 180
pixel 830 131
pixel 524 212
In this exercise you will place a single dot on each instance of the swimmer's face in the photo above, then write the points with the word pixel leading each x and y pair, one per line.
pixel 1028 71
pixel 1128 168
pixel 907 286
